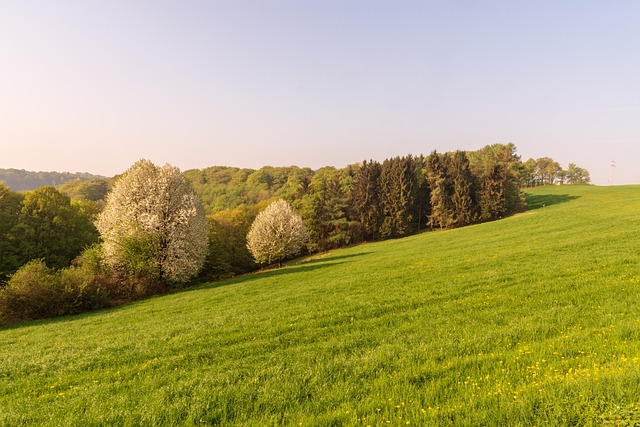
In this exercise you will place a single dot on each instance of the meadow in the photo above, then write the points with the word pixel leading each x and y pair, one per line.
pixel 529 320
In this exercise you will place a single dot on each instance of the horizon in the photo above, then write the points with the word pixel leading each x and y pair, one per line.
pixel 97 86
pixel 263 166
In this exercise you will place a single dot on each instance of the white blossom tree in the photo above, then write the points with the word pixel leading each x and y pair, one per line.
pixel 276 233
pixel 153 226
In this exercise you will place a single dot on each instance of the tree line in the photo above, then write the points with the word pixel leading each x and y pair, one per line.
pixel 65 235
pixel 546 171
pixel 369 201
pixel 20 179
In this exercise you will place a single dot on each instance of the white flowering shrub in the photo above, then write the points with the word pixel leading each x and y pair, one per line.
pixel 153 226
pixel 276 233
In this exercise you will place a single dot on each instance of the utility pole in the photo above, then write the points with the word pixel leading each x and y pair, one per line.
pixel 613 173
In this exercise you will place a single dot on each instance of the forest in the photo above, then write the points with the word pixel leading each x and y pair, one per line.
pixel 20 179
pixel 362 202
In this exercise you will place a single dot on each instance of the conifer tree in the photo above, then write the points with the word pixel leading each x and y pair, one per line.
pixel 397 184
pixel 365 201
pixel 442 211
pixel 462 181
pixel 325 209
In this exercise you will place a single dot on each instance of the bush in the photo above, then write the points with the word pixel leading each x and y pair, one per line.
pixel 82 291
pixel 36 292
pixel 31 293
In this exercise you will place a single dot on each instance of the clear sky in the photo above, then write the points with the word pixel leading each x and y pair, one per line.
pixel 93 86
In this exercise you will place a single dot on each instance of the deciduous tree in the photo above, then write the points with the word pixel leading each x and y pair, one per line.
pixel 153 226
pixel 276 233
pixel 52 228
pixel 577 175
pixel 10 204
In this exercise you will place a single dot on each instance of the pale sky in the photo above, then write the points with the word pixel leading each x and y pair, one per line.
pixel 93 86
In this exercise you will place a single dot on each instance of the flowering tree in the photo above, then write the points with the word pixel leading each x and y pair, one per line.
pixel 153 226
pixel 276 233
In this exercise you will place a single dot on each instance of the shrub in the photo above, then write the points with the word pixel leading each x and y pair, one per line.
pixel 82 291
pixel 32 293
pixel 36 292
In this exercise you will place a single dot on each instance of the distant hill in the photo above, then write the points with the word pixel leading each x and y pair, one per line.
pixel 20 179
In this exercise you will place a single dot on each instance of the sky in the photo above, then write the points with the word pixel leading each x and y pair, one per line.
pixel 93 86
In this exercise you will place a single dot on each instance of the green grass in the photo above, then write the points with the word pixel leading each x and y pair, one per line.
pixel 531 320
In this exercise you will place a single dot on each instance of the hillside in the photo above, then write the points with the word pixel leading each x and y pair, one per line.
pixel 531 320
pixel 20 179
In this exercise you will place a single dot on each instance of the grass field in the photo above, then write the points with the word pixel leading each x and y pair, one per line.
pixel 531 320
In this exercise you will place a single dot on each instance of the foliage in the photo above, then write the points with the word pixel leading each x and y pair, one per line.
pixel 496 168
pixel 10 205
pixel 153 226
pixel 459 171
pixel 276 234
pixel 36 291
pixel 519 322
pixel 41 224
pixel 50 227
pixel 94 190
pixel 546 171
pixel 226 188
pixel 440 191
pixel 228 253
pixel 398 189
pixel 372 201
pixel 365 201
pixel 325 209
pixel 577 175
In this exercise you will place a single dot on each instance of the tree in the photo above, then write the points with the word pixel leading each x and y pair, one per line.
pixel 528 174
pixel 440 186
pixel 52 228
pixel 94 189
pixel 548 169
pixel 398 188
pixel 228 253
pixel 325 209
pixel 153 226
pixel 461 182
pixel 10 204
pixel 276 233
pixel 496 169
pixel 364 201
pixel 577 175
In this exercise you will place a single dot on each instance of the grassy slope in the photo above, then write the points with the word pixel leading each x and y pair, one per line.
pixel 531 320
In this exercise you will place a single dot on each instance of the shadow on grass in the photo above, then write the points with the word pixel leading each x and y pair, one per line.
pixel 301 267
pixel 265 274
pixel 542 200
